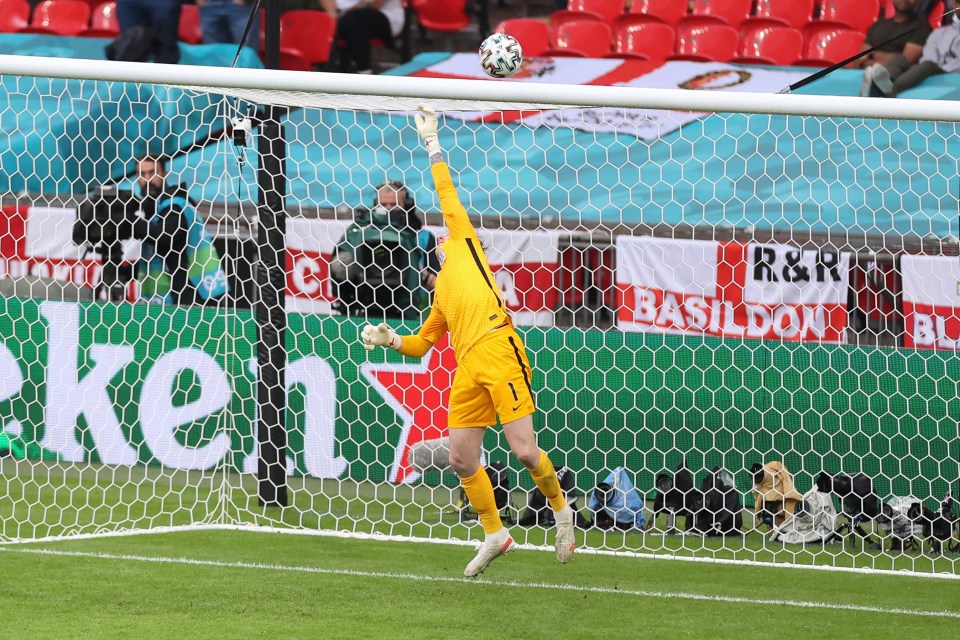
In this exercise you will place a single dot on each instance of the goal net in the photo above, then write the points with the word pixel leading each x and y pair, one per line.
pixel 743 305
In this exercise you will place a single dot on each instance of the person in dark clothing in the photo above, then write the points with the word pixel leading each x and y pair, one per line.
pixel 179 264
pixel 359 23
pixel 160 21
pixel 223 21
pixel 905 18
pixel 941 54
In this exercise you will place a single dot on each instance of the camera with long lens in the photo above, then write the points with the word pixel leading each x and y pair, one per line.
pixel 106 219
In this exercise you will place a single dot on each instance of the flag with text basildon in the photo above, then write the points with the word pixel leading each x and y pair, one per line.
pixel 931 301
pixel 731 289
pixel 648 124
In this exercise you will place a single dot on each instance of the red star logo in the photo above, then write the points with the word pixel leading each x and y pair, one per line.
pixel 419 393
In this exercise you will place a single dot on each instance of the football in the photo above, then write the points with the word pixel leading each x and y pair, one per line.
pixel 501 55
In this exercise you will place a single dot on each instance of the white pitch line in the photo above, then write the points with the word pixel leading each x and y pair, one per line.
pixel 412 577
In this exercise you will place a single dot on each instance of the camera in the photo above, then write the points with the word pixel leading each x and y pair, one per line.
pixel 106 219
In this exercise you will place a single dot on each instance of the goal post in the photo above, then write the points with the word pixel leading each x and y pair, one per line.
pixel 755 287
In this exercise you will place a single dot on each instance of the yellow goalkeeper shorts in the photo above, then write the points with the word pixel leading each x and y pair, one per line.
pixel 492 380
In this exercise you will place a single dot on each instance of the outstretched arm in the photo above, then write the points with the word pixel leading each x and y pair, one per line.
pixel 454 215
pixel 413 346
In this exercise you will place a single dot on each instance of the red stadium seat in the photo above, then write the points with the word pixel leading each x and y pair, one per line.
pixel 643 38
pixel 533 35
pixel 795 13
pixel 14 15
pixel 828 44
pixel 733 12
pixel 705 40
pixel 309 32
pixel 769 42
pixel 856 14
pixel 189 30
pixel 442 15
pixel 293 60
pixel 605 10
pixel 584 38
pixel 669 11
pixel 59 17
pixel 103 22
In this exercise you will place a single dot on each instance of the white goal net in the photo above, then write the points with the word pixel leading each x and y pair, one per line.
pixel 742 310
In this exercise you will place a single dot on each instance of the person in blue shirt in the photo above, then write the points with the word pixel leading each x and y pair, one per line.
pixel 179 264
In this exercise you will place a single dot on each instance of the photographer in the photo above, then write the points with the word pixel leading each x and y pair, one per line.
pixel 179 264
pixel 385 265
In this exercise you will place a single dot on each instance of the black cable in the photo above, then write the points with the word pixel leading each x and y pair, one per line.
pixel 246 31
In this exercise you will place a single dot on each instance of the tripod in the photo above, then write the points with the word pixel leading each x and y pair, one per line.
pixel 114 275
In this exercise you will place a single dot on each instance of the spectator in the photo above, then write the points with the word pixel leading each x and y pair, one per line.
pixel 386 264
pixel 359 23
pixel 179 264
pixel 223 21
pixel 905 19
pixel 941 54
pixel 148 29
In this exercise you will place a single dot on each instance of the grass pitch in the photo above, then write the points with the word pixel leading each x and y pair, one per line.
pixel 239 584
pixel 251 584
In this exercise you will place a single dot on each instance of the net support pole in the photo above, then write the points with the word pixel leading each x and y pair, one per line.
pixel 271 288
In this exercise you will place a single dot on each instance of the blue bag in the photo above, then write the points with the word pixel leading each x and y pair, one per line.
pixel 615 502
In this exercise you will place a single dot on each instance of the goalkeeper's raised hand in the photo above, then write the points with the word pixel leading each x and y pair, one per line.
pixel 379 336
pixel 426 122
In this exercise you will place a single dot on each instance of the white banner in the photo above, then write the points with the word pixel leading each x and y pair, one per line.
pixel 931 301
pixel 648 124
pixel 39 241
pixel 651 124
pixel 310 245
pixel 731 289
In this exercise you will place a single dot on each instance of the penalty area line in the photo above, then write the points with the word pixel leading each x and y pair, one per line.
pixel 511 584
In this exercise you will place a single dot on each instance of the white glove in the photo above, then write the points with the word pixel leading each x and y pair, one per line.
pixel 427 127
pixel 379 336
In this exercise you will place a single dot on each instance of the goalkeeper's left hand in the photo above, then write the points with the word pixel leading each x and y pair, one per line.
pixel 379 336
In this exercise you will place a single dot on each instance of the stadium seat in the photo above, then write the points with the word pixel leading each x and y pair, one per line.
pixel 769 42
pixel 533 35
pixel 669 11
pixel 828 44
pixel 308 32
pixel 733 12
pixel 643 38
pixel 59 17
pixel 14 15
pixel 605 10
pixel 705 40
pixel 935 17
pixel 103 22
pixel 794 13
pixel 190 31
pixel 442 15
pixel 856 14
pixel 582 38
pixel 293 60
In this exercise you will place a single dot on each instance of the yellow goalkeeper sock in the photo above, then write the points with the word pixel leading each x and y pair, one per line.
pixel 546 478
pixel 480 493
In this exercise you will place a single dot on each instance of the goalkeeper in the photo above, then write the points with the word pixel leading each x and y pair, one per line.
pixel 493 374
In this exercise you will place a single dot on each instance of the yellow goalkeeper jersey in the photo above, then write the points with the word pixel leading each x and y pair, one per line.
pixel 466 299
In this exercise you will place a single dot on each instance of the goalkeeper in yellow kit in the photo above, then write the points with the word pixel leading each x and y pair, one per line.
pixel 493 375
